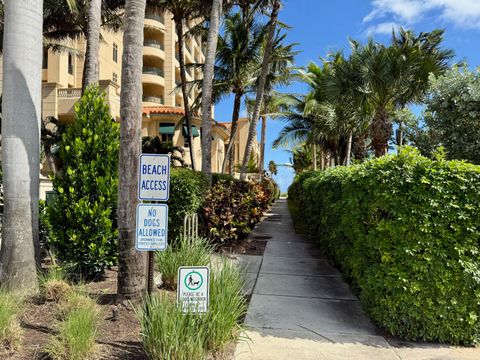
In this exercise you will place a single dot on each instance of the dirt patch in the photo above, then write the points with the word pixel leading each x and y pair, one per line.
pixel 247 246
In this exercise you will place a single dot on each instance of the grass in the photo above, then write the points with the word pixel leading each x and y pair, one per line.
pixel 53 285
pixel 167 333
pixel 188 252
pixel 10 309
pixel 77 330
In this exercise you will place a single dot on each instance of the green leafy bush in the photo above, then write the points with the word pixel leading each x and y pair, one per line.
pixel 187 191
pixel 83 215
pixel 167 333
pixel 191 252
pixel 406 232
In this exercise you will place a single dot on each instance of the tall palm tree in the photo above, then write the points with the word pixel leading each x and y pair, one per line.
pixel 207 88
pixel 237 64
pixel 21 105
pixel 94 20
pixel 183 13
pixel 131 263
pixel 252 133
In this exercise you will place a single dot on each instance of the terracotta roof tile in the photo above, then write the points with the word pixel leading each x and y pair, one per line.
pixel 162 110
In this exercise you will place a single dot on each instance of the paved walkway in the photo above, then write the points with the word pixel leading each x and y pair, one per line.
pixel 302 309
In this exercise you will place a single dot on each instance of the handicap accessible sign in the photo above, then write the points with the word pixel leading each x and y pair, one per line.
pixel 152 227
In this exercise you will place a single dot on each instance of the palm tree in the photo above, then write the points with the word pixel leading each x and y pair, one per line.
pixel 69 20
pixel 21 105
pixel 93 43
pixel 272 167
pixel 183 13
pixel 131 263
pixel 207 88
pixel 252 133
pixel 237 63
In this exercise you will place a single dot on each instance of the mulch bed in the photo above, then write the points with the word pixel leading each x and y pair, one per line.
pixel 247 246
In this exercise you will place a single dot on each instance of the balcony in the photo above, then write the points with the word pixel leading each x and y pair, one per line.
pixel 155 21
pixel 150 70
pixel 154 44
pixel 153 99
pixel 156 17
pixel 153 76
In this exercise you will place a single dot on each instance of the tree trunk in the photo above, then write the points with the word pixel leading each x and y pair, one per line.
pixel 314 156
pixel 208 72
pixel 381 132
pixel 229 155
pixel 322 159
pixel 262 145
pixel 183 78
pixel 90 70
pixel 349 149
pixel 252 133
pixel 400 133
pixel 22 99
pixel 131 263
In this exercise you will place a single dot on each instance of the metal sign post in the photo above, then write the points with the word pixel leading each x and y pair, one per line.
pixel 152 218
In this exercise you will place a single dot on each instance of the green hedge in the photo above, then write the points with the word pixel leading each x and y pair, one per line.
pixel 405 230
pixel 187 192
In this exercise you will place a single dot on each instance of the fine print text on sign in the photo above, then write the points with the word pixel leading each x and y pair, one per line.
pixel 152 227
pixel 154 177
pixel 193 288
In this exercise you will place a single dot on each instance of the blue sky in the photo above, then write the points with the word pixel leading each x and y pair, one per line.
pixel 320 26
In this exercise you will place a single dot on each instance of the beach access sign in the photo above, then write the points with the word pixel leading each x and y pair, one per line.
pixel 152 227
pixel 154 177
pixel 193 288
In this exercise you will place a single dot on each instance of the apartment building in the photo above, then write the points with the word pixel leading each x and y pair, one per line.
pixel 162 99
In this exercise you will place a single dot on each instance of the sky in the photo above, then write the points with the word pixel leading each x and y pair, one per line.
pixel 322 26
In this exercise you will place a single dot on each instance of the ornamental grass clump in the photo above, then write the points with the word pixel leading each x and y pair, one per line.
pixel 77 330
pixel 187 252
pixel 53 285
pixel 405 231
pixel 10 310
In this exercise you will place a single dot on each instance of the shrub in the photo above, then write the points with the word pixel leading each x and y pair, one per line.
pixel 10 330
pixel 167 333
pixel 187 252
pixel 406 232
pixel 77 332
pixel 83 215
pixel 187 191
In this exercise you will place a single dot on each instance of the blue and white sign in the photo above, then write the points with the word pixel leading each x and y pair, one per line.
pixel 152 227
pixel 154 177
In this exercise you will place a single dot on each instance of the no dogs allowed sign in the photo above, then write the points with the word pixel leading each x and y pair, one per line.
pixel 193 288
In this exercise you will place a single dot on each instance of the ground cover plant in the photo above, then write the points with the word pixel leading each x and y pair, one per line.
pixel 405 231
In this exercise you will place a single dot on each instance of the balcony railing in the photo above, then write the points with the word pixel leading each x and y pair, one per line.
pixel 155 17
pixel 150 70
pixel 154 43
pixel 154 99
pixel 71 93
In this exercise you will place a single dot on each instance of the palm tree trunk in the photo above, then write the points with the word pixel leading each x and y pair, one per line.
pixel 314 156
pixel 400 133
pixel 208 72
pixel 22 63
pixel 262 145
pixel 349 149
pixel 183 78
pixel 229 155
pixel 131 263
pixel 252 133
pixel 90 70
pixel 381 132
pixel 322 159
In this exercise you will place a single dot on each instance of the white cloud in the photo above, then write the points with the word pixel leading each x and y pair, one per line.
pixel 461 13
pixel 384 28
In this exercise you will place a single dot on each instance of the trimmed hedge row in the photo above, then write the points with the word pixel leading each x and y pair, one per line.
pixel 405 231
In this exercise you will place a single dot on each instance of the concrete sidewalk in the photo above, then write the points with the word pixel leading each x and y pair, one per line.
pixel 302 309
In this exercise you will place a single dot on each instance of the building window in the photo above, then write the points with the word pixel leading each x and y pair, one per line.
pixel 45 59
pixel 167 130
pixel 115 52
pixel 115 78
pixel 70 64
